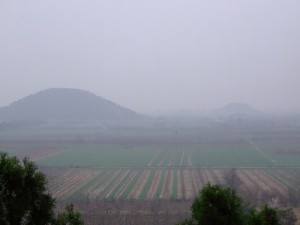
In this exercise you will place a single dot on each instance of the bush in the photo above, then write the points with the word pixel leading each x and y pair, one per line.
pixel 218 205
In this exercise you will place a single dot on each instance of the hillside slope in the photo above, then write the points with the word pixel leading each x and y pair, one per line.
pixel 64 104
pixel 237 109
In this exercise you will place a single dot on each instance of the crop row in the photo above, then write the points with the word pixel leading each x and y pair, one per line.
pixel 164 183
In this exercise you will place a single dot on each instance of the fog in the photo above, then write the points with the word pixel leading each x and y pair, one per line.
pixel 154 56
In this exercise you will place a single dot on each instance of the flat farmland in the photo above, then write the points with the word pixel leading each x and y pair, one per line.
pixel 149 184
pixel 151 164
pixel 98 155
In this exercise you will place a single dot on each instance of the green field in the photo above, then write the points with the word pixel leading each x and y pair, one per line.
pixel 100 156
pixel 103 155
pixel 167 163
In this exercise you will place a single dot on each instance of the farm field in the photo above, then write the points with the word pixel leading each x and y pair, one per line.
pixel 87 155
pixel 152 164
pixel 149 184
pixel 228 155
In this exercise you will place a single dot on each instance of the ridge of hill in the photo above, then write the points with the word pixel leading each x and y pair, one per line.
pixel 65 104
pixel 238 109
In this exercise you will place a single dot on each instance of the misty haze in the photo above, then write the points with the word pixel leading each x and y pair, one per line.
pixel 131 107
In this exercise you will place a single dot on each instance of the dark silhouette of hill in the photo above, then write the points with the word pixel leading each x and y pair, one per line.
pixel 237 109
pixel 65 104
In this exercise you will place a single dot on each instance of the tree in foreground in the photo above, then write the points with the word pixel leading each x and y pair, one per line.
pixel 218 205
pixel 69 216
pixel 24 198
pixel 265 216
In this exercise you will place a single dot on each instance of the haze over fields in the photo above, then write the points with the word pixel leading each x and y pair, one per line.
pixel 154 56
pixel 74 105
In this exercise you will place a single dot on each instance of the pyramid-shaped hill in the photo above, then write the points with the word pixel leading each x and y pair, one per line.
pixel 238 109
pixel 65 104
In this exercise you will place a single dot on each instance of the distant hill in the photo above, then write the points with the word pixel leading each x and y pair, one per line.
pixel 237 109
pixel 65 104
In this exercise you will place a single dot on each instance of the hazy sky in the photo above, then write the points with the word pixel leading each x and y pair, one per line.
pixel 154 55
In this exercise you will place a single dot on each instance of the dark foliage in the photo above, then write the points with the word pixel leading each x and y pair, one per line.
pixel 23 193
pixel 218 205
pixel 69 216
pixel 24 198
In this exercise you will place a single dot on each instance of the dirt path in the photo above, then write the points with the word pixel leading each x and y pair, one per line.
pixel 195 181
pixel 44 154
pixel 249 184
pixel 168 185
pixel 138 187
pixel 97 191
pixel 88 189
pixel 272 184
pixel 189 192
pixel 287 177
pixel 125 185
pixel 179 185
pixel 182 184
pixel 165 185
pixel 256 179
pixel 74 184
pixel 116 183
pixel 64 176
pixel 181 158
pixel 261 152
pixel 63 180
pixel 154 185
